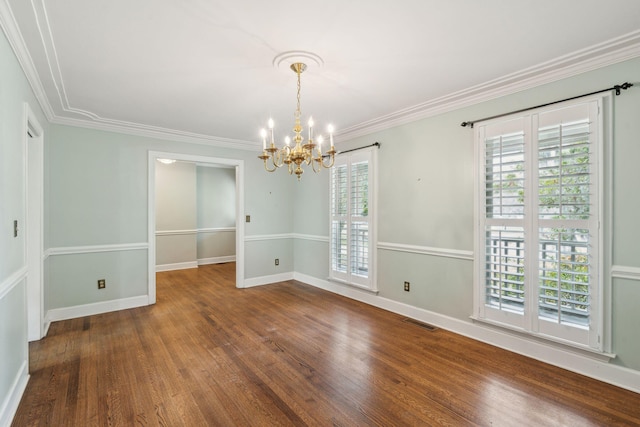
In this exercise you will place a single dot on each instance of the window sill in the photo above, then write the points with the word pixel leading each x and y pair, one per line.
pixel 353 285
pixel 557 343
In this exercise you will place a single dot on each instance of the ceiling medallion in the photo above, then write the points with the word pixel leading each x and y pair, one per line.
pixel 302 152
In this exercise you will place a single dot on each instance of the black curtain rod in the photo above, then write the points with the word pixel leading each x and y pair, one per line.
pixel 617 88
pixel 375 144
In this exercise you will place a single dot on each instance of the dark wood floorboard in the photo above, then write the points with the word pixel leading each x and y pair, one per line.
pixel 208 354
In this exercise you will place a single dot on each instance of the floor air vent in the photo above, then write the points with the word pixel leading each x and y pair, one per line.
pixel 426 326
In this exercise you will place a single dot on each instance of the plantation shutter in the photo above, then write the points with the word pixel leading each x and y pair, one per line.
pixel 567 220
pixel 538 198
pixel 351 219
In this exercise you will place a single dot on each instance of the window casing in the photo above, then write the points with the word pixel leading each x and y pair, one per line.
pixel 352 227
pixel 538 251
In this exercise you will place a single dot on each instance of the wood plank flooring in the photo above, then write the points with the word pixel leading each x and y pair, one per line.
pixel 208 354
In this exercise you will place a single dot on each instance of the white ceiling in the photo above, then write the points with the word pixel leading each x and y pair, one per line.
pixel 204 68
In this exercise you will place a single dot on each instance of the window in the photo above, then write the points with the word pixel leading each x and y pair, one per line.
pixel 538 250
pixel 352 214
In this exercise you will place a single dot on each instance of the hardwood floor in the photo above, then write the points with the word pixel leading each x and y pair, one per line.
pixel 290 354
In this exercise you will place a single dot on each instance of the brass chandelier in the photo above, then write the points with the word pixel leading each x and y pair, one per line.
pixel 301 153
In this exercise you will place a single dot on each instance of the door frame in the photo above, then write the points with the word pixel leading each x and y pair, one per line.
pixel 151 197
pixel 33 146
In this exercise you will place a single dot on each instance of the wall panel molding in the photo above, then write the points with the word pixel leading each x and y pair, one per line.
pixel 74 250
pixel 625 272
pixel 265 237
pixel 12 281
pixel 426 250
pixel 195 231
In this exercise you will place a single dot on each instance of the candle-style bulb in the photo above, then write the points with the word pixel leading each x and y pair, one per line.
pixel 263 134
pixel 271 124
pixel 287 140
pixel 330 129
pixel 320 139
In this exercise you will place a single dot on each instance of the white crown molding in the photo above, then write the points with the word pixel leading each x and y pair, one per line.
pixel 607 53
pixel 601 55
pixel 12 31
pixel 166 134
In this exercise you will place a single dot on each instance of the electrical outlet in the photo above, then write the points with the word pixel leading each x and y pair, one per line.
pixel 247 218
pixel 407 286
pixel 277 261
pixel 102 283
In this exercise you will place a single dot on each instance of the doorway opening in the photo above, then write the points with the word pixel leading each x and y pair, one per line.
pixel 238 166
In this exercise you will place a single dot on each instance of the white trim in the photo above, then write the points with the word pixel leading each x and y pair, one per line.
pixel 156 132
pixel 625 272
pixel 33 151
pixel 264 237
pixel 216 230
pixel 195 231
pixel 177 266
pixel 74 250
pixel 217 260
pixel 14 36
pixel 12 399
pixel 268 280
pixel 426 250
pixel 284 236
pixel 12 281
pixel 311 237
pixel 554 354
pixel 238 165
pixel 607 53
pixel 175 233
pixel 77 311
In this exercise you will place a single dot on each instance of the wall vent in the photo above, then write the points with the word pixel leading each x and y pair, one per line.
pixel 426 326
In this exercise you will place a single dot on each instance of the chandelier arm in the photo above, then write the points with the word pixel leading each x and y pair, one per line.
pixel 317 160
pixel 331 162
pixel 266 168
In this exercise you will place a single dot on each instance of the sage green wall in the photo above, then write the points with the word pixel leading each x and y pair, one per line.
pixel 14 92
pixel 98 196
pixel 176 202
pixel 216 194
pixel 426 178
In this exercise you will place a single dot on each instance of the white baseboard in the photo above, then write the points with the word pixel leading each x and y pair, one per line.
pixel 572 360
pixel 267 280
pixel 96 308
pixel 177 266
pixel 9 407
pixel 217 260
